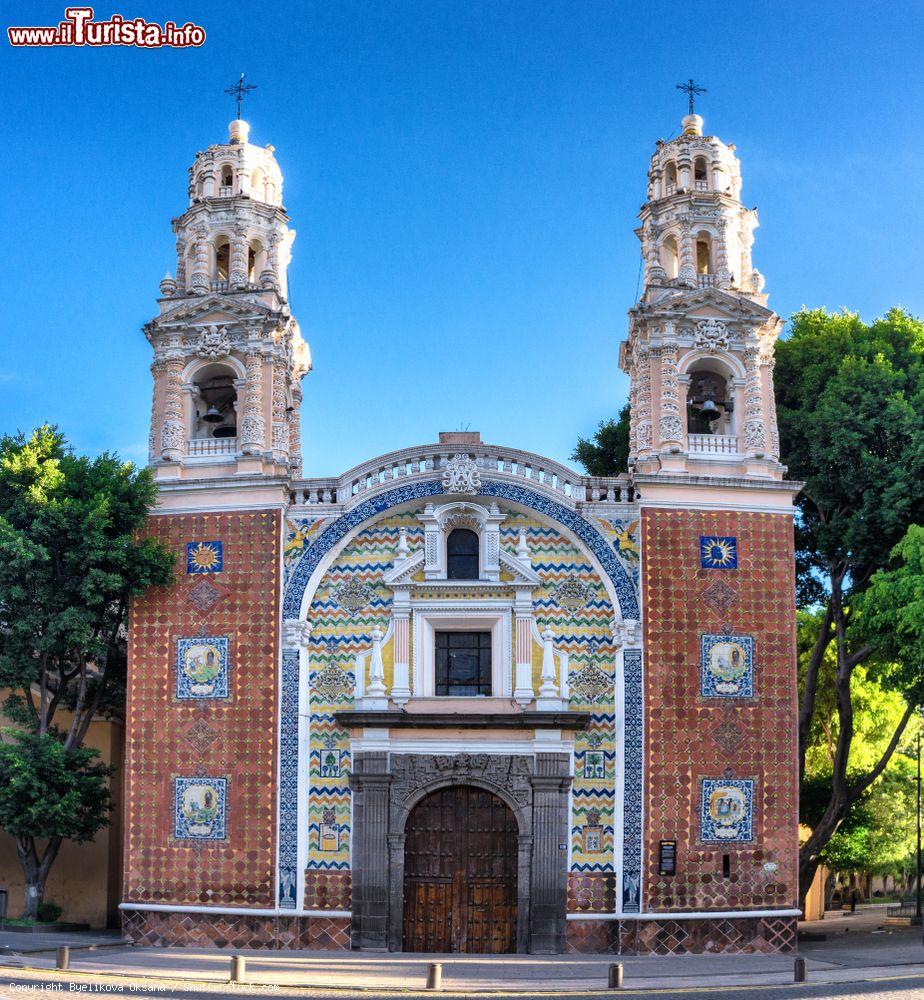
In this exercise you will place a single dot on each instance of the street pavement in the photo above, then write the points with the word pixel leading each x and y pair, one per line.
pixel 859 958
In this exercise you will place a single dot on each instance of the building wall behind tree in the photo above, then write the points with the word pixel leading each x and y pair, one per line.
pixel 85 879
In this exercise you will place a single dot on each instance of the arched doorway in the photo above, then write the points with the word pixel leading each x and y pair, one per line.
pixel 460 873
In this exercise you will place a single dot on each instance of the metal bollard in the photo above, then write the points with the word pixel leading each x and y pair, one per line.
pixel 615 978
pixel 238 969
pixel 62 957
pixel 435 976
pixel 799 971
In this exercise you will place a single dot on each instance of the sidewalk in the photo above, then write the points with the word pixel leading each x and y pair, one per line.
pixel 855 950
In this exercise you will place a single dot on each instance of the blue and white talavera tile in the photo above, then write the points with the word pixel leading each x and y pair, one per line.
pixel 204 557
pixel 718 552
pixel 200 808
pixel 727 810
pixel 202 667
pixel 726 666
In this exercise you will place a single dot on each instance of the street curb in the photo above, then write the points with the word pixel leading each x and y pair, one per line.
pixel 168 982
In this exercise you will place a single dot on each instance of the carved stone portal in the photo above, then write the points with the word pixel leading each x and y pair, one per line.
pixel 386 787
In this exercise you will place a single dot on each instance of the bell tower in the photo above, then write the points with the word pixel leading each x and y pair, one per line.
pixel 700 348
pixel 228 354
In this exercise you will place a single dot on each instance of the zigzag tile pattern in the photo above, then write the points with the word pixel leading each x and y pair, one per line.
pixel 338 634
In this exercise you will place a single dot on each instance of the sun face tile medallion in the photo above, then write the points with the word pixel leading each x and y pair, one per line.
pixel 727 810
pixel 202 667
pixel 204 557
pixel 727 666
pixel 718 552
pixel 200 808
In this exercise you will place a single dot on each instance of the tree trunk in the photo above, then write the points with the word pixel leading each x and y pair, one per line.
pixel 35 871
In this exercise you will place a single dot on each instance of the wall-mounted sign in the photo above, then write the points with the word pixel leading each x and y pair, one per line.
pixel 667 857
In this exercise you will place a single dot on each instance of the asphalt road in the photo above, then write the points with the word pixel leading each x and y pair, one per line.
pixel 16 986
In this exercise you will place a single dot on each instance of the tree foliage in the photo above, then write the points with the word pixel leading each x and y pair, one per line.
pixel 607 453
pixel 850 404
pixel 70 559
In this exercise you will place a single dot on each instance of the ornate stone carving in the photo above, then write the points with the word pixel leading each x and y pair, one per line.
pixel 213 342
pixel 461 475
pixel 412 773
pixel 572 593
pixel 295 632
pixel 711 335
pixel 353 595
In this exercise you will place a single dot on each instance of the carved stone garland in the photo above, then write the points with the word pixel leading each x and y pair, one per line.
pixel 754 430
pixel 670 425
pixel 252 424
pixel 642 380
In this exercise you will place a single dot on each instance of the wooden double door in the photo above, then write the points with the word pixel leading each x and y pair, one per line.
pixel 460 873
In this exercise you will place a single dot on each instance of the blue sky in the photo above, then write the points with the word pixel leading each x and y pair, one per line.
pixel 464 179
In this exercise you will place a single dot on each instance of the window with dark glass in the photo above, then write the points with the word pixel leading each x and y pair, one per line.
pixel 462 555
pixel 463 663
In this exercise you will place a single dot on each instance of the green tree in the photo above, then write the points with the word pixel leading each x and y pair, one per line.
pixel 607 453
pixel 70 559
pixel 850 403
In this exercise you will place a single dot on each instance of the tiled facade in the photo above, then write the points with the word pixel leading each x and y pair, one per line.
pixel 234 738
pixel 692 738
pixel 735 936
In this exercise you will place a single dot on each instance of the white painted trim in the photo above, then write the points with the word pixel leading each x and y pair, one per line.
pixel 705 505
pixel 500 748
pixel 696 915
pixel 233 910
pixel 213 508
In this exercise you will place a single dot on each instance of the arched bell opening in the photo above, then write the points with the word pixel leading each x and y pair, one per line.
pixel 214 402
pixel 710 400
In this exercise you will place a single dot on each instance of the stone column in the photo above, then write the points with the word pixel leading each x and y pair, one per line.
pixel 252 430
pixel 173 433
pixel 686 272
pixel 237 269
pixel 269 276
pixel 280 431
pixel 723 274
pixel 181 265
pixel 370 783
pixel 641 378
pixel 549 877
pixel 401 684
pixel 769 362
pixel 157 371
pixel 670 424
pixel 755 444
pixel 201 281
pixel 523 692
pixel 295 441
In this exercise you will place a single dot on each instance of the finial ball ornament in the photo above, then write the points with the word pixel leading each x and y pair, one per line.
pixel 692 125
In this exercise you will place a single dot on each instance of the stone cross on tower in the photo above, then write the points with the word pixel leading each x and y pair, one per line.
pixel 240 88
pixel 689 88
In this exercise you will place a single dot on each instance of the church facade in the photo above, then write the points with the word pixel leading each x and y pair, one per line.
pixel 461 697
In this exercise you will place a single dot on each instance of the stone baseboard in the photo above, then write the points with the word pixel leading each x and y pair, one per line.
pixel 734 936
pixel 206 930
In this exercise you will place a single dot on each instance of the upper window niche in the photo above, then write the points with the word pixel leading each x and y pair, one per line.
pixel 214 402
pixel 700 174
pixel 462 556
pixel 670 178
pixel 222 259
pixel 669 256
pixel 227 181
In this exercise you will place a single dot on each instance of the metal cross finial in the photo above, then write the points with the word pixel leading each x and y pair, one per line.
pixel 689 88
pixel 238 90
